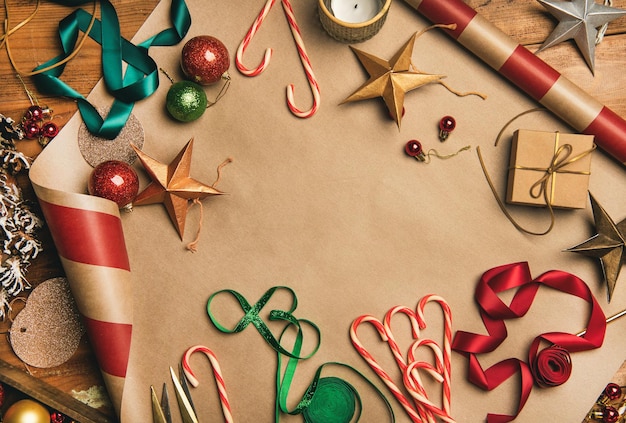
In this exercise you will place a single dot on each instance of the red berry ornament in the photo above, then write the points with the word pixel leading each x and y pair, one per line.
pixel 610 414
pixel 31 129
pixel 205 60
pixel 57 417
pixel 446 125
pixel 413 148
pixel 114 180
pixel 35 113
pixel 613 391
pixel 49 130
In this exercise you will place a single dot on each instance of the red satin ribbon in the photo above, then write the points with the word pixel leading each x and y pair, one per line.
pixel 549 365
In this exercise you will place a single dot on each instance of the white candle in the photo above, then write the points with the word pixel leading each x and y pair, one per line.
pixel 355 11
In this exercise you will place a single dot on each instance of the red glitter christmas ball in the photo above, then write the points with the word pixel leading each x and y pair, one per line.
pixel 114 180
pixel 205 60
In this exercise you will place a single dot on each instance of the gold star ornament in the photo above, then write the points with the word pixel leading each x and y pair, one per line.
pixel 391 79
pixel 172 186
pixel 608 245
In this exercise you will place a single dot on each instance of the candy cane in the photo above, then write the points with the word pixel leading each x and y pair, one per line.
pixel 417 395
pixel 306 63
pixel 395 349
pixel 393 345
pixel 246 41
pixel 413 382
pixel 304 58
pixel 397 393
pixel 447 342
pixel 217 373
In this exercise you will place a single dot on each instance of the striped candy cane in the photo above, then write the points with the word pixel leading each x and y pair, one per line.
pixel 421 398
pixel 397 353
pixel 413 382
pixel 217 373
pixel 246 41
pixel 304 58
pixel 306 63
pixel 447 342
pixel 393 345
pixel 371 361
pixel 424 410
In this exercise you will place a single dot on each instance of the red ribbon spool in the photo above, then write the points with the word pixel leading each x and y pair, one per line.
pixel 549 367
pixel 552 367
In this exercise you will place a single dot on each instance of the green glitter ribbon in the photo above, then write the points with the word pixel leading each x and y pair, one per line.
pixel 327 399
pixel 138 82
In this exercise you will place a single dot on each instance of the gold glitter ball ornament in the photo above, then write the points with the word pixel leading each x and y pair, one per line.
pixel 26 411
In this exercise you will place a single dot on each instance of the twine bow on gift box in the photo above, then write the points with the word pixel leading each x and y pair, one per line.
pixel 558 164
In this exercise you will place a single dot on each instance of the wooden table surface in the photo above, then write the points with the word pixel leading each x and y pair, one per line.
pixel 37 42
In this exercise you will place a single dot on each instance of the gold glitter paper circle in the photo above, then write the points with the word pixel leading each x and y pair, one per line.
pixel 46 333
pixel 96 150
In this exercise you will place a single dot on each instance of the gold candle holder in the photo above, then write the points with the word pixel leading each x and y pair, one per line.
pixel 345 31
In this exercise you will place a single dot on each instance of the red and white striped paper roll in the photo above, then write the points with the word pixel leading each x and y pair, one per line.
pixel 87 233
pixel 529 73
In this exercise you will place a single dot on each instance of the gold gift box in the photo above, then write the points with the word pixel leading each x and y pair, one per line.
pixel 549 167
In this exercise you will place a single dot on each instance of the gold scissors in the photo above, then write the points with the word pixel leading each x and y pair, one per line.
pixel 161 412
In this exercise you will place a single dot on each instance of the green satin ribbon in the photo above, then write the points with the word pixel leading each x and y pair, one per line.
pixel 141 78
pixel 327 399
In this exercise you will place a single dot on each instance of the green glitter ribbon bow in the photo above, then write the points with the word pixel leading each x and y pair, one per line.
pixel 327 399
pixel 138 82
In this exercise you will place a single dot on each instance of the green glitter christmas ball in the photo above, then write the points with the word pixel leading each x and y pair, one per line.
pixel 186 101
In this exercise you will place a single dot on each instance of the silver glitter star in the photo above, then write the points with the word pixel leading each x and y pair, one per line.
pixel 579 20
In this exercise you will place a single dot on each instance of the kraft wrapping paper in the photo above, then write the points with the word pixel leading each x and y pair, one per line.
pixel 332 207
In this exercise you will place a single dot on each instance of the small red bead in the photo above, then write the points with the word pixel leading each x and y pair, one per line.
pixel 34 113
pixel 613 391
pixel 413 148
pixel 56 417
pixel 610 414
pixel 447 123
pixel 31 129
pixel 50 130
pixel 1 394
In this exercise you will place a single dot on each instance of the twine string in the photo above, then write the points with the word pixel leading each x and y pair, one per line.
pixel 193 245
pixel 558 163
